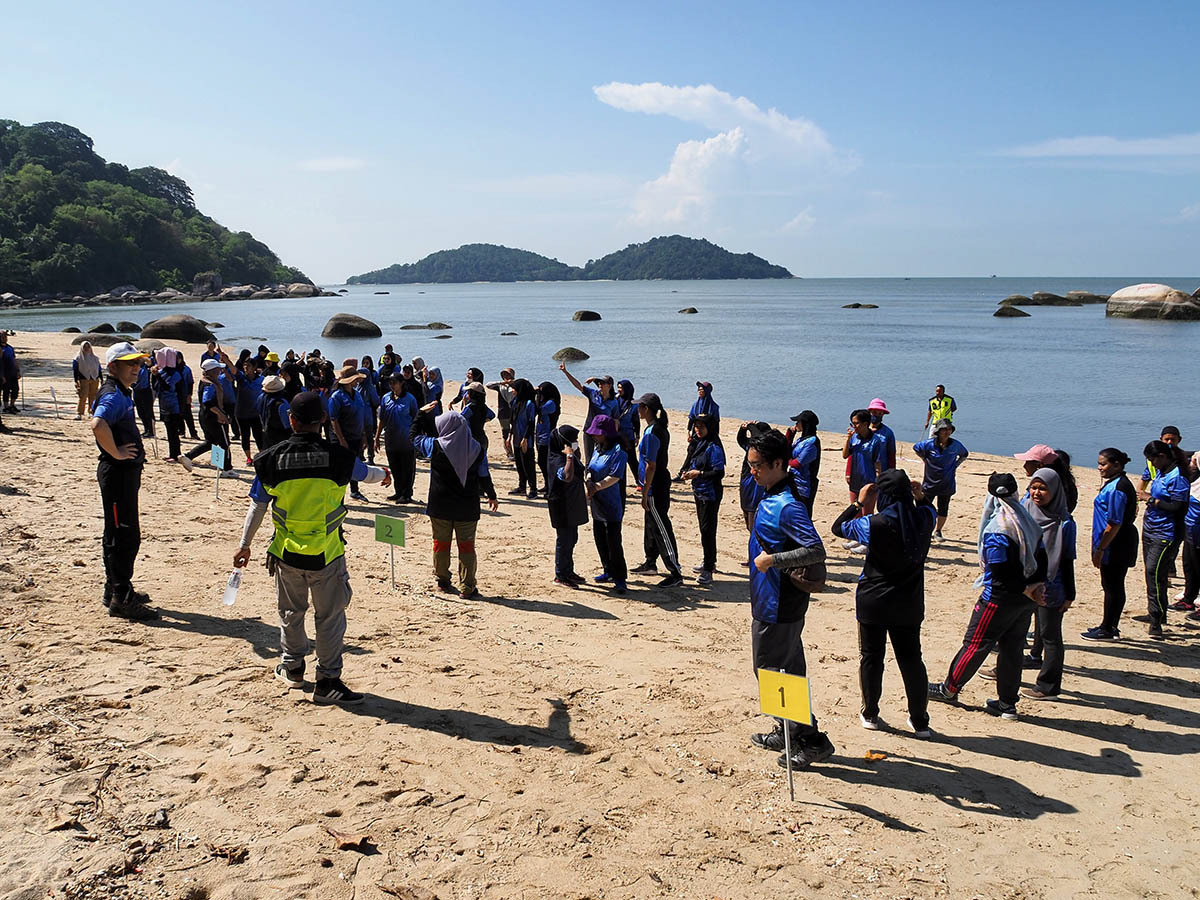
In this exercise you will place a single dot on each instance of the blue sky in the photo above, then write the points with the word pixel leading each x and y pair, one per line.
pixel 835 139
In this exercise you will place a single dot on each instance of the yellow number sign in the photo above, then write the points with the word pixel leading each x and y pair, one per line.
pixel 785 696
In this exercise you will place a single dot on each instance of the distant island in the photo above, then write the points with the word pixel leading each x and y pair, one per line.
pixel 72 222
pixel 673 258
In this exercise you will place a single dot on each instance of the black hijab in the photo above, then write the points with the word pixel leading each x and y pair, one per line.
pixel 897 506
pixel 562 437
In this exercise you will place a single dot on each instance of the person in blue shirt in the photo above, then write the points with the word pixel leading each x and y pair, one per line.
pixel 1162 528
pixel 187 390
pixel 165 382
pixel 524 423
pixel 603 480
pixel 655 475
pixel 213 413
pixel 1013 560
pixel 749 490
pixel 943 455
pixel 602 401
pixel 890 601
pixel 805 463
pixel 119 474
pixel 370 392
pixel 566 501
pixel 434 386
pixel 212 351
pixel 861 450
pixel 397 413
pixel 1046 503
pixel 143 399
pixel 273 409
pixel 704 468
pixel 628 424
pixel 475 410
pixel 1114 539
pixel 348 417
pixel 548 403
pixel 1191 542
pixel 705 405
pixel 248 381
pixel 782 538
pixel 883 434
pixel 10 375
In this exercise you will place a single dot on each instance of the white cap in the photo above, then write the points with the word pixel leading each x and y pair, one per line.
pixel 209 364
pixel 123 351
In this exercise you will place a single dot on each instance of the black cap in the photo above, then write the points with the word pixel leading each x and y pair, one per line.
pixel 307 408
pixel 1002 485
pixel 806 414
pixel 1170 429
pixel 650 400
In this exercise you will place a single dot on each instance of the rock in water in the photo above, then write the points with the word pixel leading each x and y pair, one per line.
pixel 1016 300
pixel 1010 312
pixel 1045 298
pixel 442 337
pixel 178 327
pixel 102 340
pixel 1152 301
pixel 350 325
pixel 585 315
pixel 102 328
pixel 70 329
pixel 861 306
pixel 383 292
pixel 1087 297
pixel 300 289
pixel 508 334
pixel 570 354
pixel 438 326
pixel 689 311
pixel 128 327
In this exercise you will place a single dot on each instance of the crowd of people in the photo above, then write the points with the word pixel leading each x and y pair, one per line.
pixel 311 429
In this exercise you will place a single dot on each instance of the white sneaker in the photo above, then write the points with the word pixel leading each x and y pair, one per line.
pixel 937 536
pixel 868 722
pixel 859 549
pixel 700 568
pixel 187 464
pixel 1179 596
pixel 850 545
pixel 923 733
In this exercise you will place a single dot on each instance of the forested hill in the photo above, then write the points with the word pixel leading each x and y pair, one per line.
pixel 472 262
pixel 671 258
pixel 72 222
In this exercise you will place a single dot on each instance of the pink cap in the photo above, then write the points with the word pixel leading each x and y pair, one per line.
pixel 877 405
pixel 1039 453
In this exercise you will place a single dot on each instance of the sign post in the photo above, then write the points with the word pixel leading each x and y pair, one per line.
pixel 390 531
pixel 54 397
pixel 218 461
pixel 786 697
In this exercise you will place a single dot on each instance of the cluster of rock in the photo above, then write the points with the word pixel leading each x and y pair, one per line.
pixel 1045 298
pixel 1138 301
pixel 206 287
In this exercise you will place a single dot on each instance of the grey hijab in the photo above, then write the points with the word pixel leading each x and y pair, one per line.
pixel 457 442
pixel 1050 518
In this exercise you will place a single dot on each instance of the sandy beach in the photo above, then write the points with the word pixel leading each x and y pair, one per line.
pixel 540 741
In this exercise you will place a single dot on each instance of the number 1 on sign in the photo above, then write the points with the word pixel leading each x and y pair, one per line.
pixel 782 702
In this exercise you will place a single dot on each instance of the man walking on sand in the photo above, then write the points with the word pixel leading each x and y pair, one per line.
pixel 941 406
pixel 119 474
pixel 304 479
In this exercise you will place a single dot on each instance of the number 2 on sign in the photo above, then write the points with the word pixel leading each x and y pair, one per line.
pixel 387 530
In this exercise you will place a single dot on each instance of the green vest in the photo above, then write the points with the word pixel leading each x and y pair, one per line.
pixel 940 409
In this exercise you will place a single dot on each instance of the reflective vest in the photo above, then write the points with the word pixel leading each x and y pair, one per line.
pixel 306 477
pixel 940 409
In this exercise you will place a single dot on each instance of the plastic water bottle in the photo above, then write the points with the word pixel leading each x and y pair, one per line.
pixel 231 587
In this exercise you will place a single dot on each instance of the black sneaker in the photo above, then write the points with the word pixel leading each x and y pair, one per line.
pixel 134 612
pixel 809 754
pixel 1193 617
pixel 1099 633
pixel 332 690
pixel 446 587
pixel 770 740
pixel 293 678
pixel 1031 662
pixel 1006 711
pixel 516 492
pixel 646 568
pixel 671 581
pixel 1154 629
pixel 937 691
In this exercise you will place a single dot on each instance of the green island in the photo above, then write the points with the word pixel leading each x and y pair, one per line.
pixel 72 222
pixel 672 257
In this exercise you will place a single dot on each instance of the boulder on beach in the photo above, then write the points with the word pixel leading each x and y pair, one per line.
pixel 102 328
pixel 102 340
pixel 300 289
pixel 265 295
pixel 570 354
pixel 1087 297
pixel 207 283
pixel 861 306
pixel 438 326
pixel 178 327
pixel 1152 301
pixel 350 325
pixel 70 329
pixel 128 327
pixel 1010 312
pixel 585 315
pixel 241 292
pixel 689 311
pixel 149 345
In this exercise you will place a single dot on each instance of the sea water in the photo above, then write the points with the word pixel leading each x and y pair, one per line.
pixel 1065 376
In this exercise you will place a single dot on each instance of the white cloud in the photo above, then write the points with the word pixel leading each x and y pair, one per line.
pixel 802 223
pixel 1102 145
pixel 1190 212
pixel 754 152
pixel 331 164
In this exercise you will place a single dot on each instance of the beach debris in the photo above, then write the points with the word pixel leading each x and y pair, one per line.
pixel 874 755
pixel 231 853
pixel 161 818
pixel 570 354
pixel 1152 301
pixel 350 325
pixel 360 842
pixel 585 315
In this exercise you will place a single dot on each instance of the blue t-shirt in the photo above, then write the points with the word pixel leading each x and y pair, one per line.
pixel 804 453
pixel 398 414
pixel 229 392
pixel 1107 509
pixel 143 379
pixel 710 461
pixel 1164 526
pixel 349 410
pixel 607 504
pixel 648 448
pixel 167 384
pixel 208 394
pixel 599 406
pixel 627 412
pixel 996 550
pixel 887 450
pixel 1055 593
pixel 863 456
pixel 940 465
pixel 248 391
pixel 524 420
pixel 781 523
pixel 545 414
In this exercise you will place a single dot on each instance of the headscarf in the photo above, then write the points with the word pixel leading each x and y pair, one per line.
pixel 562 437
pixel 1004 515
pixel 457 442
pixel 1050 518
pixel 896 505
pixel 704 403
pixel 87 361
pixel 548 390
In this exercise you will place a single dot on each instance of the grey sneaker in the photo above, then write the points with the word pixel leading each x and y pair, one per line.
pixel 705 577
pixel 293 678
pixel 809 754
pixel 937 691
